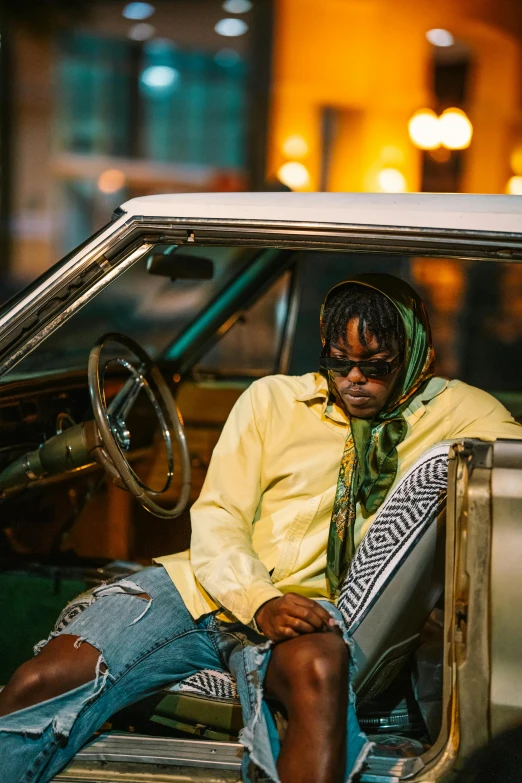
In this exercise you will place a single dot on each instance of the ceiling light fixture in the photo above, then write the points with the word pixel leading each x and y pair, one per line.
pixel 138 11
pixel 230 27
pixel 424 130
pixel 391 181
pixel 237 6
pixel 440 37
pixel 294 175
pixel 455 129
pixel 159 77
pixel 514 186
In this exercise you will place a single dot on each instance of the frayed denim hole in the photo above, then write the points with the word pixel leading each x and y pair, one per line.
pixel 124 587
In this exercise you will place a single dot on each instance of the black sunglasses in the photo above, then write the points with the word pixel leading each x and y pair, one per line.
pixel 372 368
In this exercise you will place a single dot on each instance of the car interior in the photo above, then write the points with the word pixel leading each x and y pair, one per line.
pixel 82 432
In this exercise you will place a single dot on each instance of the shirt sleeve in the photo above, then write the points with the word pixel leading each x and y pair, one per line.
pixel 221 552
pixel 476 414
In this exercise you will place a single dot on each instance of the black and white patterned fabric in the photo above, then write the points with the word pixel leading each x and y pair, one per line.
pixel 210 684
pixel 403 518
pixel 72 610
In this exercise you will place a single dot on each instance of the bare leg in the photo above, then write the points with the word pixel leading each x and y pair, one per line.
pixel 58 668
pixel 309 676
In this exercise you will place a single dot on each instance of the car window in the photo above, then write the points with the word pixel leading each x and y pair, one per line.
pixel 149 308
pixel 252 346
pixel 317 272
pixel 475 310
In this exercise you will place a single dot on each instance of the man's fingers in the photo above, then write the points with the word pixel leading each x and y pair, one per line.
pixel 312 607
pixel 307 614
pixel 287 633
pixel 299 625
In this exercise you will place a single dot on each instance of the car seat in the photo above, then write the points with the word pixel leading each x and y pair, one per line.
pixel 394 581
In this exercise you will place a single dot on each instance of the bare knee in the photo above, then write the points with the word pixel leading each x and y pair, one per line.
pixel 30 679
pixel 309 668
pixel 321 667
pixel 59 668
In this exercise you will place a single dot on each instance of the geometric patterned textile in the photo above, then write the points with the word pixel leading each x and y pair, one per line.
pixel 208 683
pixel 401 521
pixel 72 610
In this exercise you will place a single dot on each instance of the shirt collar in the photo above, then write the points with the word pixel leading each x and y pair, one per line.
pixel 317 390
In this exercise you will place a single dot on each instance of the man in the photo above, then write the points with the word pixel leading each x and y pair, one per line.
pixel 301 468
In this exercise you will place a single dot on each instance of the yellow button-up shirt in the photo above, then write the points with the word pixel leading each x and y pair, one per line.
pixel 260 526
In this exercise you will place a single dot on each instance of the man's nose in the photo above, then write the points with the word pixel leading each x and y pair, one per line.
pixel 356 376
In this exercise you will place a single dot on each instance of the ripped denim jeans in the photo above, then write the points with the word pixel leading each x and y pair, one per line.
pixel 144 645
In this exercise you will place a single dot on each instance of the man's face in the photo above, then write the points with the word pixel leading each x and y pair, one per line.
pixel 363 397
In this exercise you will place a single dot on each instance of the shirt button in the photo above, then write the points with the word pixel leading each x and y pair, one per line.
pixel 291 539
pixel 313 501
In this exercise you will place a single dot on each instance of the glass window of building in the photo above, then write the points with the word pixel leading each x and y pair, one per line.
pixel 154 100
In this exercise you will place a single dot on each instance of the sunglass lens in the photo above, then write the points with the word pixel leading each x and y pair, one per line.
pixel 374 369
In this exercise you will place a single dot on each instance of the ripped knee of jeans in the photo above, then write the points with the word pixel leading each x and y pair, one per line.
pixel 126 587
pixel 83 601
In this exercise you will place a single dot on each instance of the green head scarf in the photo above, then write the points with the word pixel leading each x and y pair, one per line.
pixel 369 463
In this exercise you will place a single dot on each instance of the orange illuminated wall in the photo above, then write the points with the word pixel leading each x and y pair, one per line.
pixel 366 66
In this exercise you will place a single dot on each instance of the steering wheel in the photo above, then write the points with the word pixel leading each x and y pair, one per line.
pixel 111 422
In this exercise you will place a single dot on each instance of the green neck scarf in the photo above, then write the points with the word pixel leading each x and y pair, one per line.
pixel 369 462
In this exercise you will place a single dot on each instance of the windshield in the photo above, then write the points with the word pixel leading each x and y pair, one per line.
pixel 150 308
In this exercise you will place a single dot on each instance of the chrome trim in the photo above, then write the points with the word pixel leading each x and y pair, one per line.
pixel 169 751
pixel 119 409
pixel 129 231
pixel 60 318
pixel 506 586
pixel 70 268
pixel 118 748
pixel 294 296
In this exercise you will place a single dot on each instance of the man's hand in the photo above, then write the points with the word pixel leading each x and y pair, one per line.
pixel 292 615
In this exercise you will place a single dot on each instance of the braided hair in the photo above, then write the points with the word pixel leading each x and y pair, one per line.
pixel 376 313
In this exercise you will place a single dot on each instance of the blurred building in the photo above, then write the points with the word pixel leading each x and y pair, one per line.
pixel 349 76
pixel 102 100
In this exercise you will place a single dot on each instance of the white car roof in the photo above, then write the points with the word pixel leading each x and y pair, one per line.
pixel 415 210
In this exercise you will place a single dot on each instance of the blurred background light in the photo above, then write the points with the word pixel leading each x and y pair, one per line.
pixel 455 129
pixel 295 146
pixel 294 175
pixel 514 186
pixel 516 160
pixel 227 57
pixel 141 31
pixel 138 11
pixel 160 77
pixel 391 181
pixel 237 6
pixel 424 129
pixel 440 37
pixel 111 180
pixel 231 27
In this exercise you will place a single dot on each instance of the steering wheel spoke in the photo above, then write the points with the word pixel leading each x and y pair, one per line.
pixel 111 421
pixel 124 400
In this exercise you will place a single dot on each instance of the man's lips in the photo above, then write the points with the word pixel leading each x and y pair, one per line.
pixel 355 396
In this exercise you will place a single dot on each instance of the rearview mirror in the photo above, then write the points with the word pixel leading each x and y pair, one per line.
pixel 178 266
